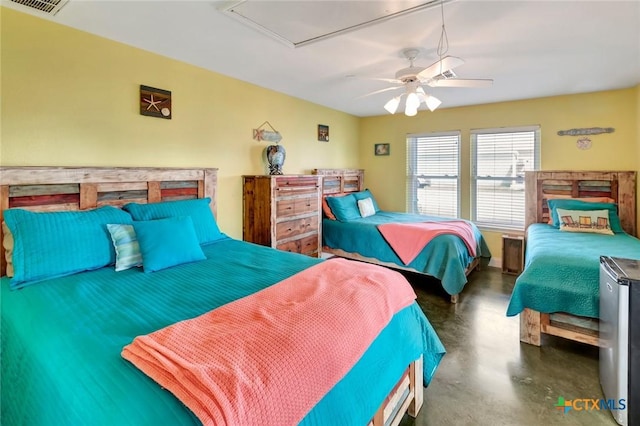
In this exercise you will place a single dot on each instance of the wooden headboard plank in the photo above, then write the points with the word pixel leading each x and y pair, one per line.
pixel 88 196
pixel 336 181
pixel 80 188
pixel 208 187
pixel 618 185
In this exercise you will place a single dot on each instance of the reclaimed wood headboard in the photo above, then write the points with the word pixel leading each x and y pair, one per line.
pixel 336 181
pixel 82 188
pixel 618 185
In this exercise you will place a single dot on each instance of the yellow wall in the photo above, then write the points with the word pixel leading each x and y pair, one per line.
pixel 75 102
pixel 614 151
pixel 70 98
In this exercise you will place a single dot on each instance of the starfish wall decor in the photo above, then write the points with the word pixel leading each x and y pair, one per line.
pixel 155 102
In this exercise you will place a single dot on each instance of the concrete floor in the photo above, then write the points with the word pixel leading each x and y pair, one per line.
pixel 487 376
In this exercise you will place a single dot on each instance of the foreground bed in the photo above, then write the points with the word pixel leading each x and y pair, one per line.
pixel 558 291
pixel 62 337
pixel 446 257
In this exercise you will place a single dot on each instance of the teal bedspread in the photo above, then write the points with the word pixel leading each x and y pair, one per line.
pixel 62 338
pixel 561 271
pixel 446 257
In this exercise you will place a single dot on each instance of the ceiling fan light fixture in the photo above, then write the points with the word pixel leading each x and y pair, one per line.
pixel 392 105
pixel 432 102
pixel 410 112
pixel 413 101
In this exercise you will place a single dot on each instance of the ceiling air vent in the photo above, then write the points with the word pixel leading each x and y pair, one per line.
pixel 50 7
pixel 445 75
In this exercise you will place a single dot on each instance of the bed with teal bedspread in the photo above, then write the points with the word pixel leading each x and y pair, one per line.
pixel 62 338
pixel 446 257
pixel 561 271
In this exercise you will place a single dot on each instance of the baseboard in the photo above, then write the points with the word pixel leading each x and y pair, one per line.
pixel 495 262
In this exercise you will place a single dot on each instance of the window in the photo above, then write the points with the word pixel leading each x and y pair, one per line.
pixel 499 160
pixel 433 174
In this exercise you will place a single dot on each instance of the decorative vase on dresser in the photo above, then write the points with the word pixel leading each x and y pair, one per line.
pixel 283 212
pixel 275 158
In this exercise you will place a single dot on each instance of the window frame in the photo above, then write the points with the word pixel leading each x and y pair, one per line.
pixel 411 164
pixel 474 178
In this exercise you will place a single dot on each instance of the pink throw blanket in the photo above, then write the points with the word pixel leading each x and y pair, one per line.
pixel 408 239
pixel 268 358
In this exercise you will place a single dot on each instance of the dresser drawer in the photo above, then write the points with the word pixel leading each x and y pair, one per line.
pixel 288 187
pixel 293 206
pixel 296 182
pixel 307 245
pixel 292 246
pixel 294 227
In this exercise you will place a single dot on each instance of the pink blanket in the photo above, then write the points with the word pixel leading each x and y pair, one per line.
pixel 408 239
pixel 268 358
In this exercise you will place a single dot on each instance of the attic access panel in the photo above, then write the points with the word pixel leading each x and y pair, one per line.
pixel 296 23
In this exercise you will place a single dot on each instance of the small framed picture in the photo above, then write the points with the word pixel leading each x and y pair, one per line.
pixel 155 102
pixel 323 133
pixel 382 149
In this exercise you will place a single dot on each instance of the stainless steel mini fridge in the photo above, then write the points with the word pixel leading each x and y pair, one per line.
pixel 620 338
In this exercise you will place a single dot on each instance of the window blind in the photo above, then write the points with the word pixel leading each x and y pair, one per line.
pixel 433 163
pixel 499 160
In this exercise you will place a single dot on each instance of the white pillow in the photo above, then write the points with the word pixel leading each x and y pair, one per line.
pixel 366 207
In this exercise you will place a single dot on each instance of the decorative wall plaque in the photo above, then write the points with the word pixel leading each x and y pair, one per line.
pixel 155 102
pixel 323 133
pixel 586 131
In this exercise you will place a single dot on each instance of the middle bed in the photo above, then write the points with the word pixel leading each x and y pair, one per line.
pixel 454 249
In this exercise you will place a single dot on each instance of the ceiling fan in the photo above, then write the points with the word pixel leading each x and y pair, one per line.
pixel 438 74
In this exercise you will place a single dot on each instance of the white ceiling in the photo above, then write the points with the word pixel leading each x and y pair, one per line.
pixel 530 48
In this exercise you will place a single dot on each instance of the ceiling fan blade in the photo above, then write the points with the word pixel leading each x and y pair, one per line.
pixel 461 82
pixel 438 67
pixel 380 91
pixel 388 80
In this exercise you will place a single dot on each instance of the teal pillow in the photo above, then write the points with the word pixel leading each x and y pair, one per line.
pixel 126 244
pixel 344 208
pixel 198 209
pixel 53 244
pixel 167 242
pixel 576 204
pixel 367 194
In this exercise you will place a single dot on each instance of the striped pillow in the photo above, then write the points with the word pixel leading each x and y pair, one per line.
pixel 126 245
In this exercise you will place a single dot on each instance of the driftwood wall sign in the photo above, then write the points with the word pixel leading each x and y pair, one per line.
pixel 585 142
pixel 262 133
pixel 586 131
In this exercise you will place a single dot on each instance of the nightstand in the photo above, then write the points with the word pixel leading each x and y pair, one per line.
pixel 512 254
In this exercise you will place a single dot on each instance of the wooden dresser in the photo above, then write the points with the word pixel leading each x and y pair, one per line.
pixel 284 212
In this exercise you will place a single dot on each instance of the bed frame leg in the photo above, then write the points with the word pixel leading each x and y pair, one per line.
pixel 410 405
pixel 417 386
pixel 530 327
